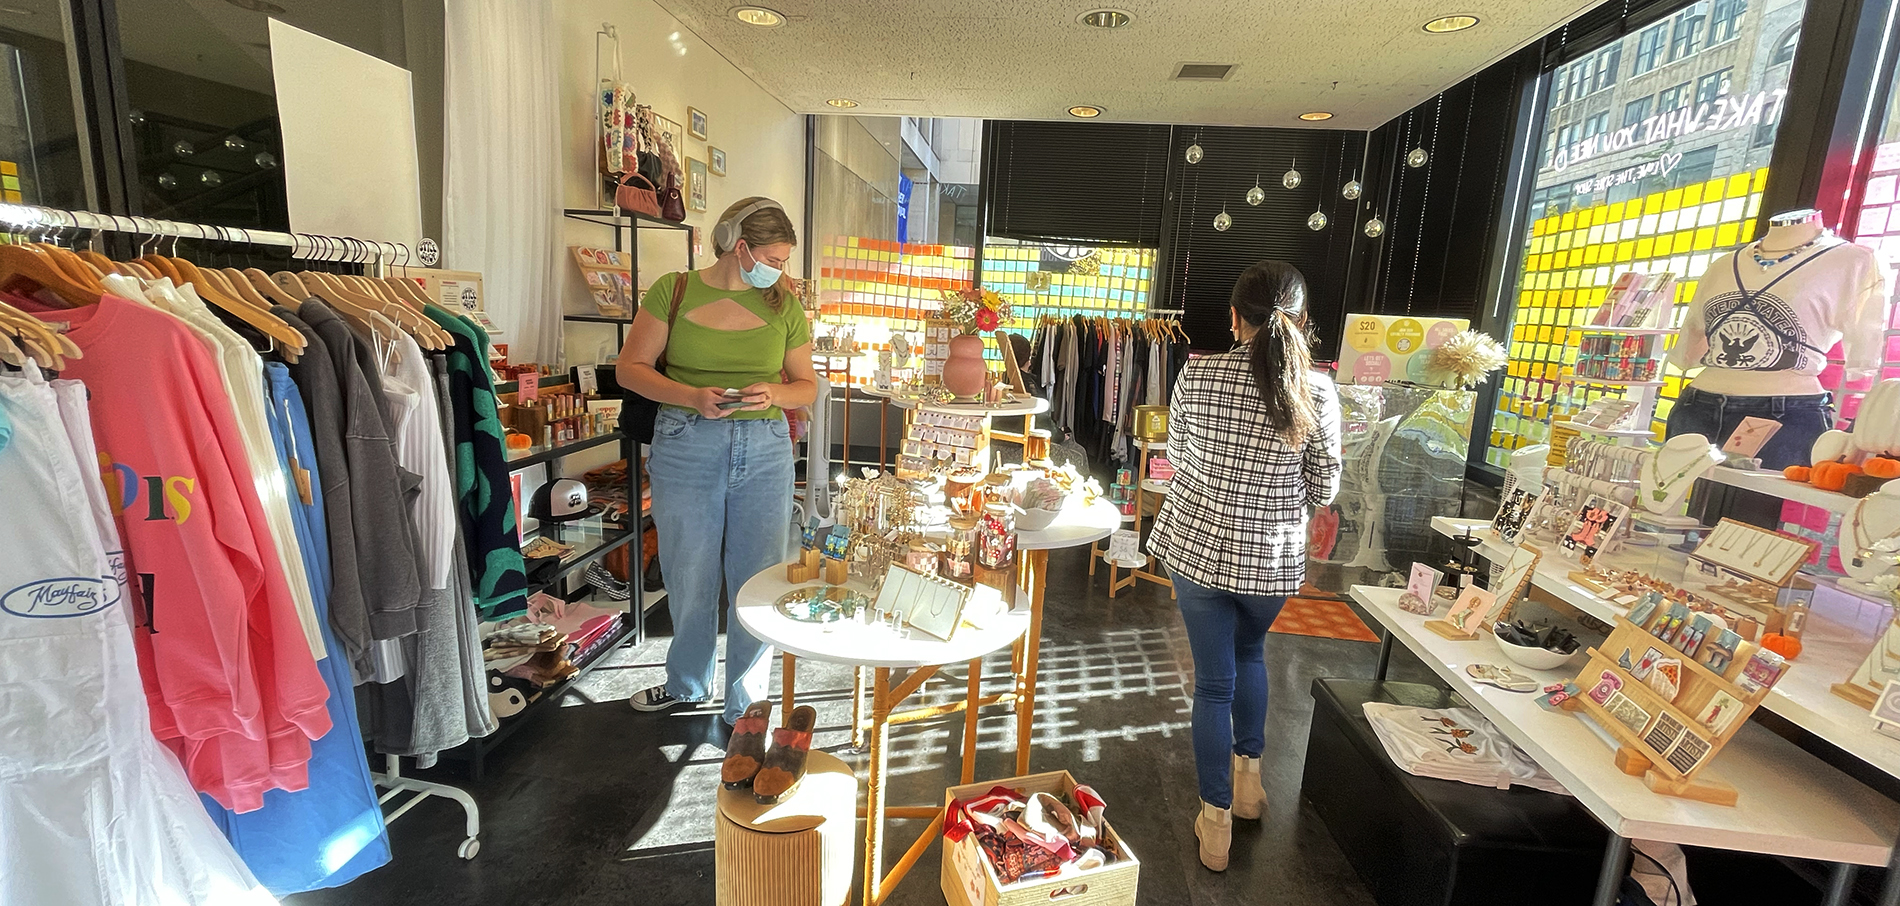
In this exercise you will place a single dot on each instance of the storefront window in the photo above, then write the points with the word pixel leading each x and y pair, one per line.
pixel 39 141
pixel 1676 185
pixel 1878 228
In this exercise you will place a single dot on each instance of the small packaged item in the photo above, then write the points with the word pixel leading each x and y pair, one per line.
pixel 1763 670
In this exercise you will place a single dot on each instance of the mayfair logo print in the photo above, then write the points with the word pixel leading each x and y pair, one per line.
pixel 68 596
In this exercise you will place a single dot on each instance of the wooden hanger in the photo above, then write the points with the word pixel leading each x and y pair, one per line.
pixel 428 334
pixel 46 346
pixel 27 269
pixel 290 283
pixel 234 279
pixel 271 325
pixel 99 262
pixel 164 267
pixel 70 264
pixel 269 289
pixel 347 303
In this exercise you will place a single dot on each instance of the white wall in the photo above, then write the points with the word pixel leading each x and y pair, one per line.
pixel 669 69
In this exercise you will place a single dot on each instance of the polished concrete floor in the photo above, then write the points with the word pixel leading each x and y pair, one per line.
pixel 596 803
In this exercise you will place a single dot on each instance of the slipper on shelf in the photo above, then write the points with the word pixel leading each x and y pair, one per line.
pixel 785 765
pixel 745 752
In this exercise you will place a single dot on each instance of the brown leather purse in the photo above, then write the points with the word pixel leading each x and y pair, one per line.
pixel 636 193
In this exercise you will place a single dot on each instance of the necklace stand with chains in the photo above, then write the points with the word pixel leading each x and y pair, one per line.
pixel 1662 485
pixel 1860 537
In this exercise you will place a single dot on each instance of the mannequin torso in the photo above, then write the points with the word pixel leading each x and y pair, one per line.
pixel 1764 318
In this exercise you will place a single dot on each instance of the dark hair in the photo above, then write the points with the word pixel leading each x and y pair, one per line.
pixel 1271 296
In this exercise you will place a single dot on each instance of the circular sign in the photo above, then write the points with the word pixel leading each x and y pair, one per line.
pixel 1372 368
pixel 1405 336
pixel 1440 332
pixel 428 252
pixel 1365 333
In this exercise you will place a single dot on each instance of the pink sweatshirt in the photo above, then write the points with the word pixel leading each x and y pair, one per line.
pixel 228 675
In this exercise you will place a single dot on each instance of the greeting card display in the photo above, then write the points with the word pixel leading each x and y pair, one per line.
pixel 1671 712
pixel 1470 613
pixel 1417 597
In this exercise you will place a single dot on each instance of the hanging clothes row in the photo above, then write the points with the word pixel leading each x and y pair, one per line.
pixel 307 473
pixel 1097 370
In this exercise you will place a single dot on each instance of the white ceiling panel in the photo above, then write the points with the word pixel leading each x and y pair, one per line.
pixel 1366 61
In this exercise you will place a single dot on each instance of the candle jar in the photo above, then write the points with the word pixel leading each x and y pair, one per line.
pixel 959 549
pixel 996 537
pixel 921 557
pixel 1036 445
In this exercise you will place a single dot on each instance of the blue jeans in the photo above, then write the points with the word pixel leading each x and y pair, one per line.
pixel 722 504
pixel 1716 416
pixel 1228 635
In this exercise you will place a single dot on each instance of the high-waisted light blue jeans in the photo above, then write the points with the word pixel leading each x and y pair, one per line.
pixel 722 503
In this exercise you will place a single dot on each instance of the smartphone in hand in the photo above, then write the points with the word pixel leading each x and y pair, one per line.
pixel 735 399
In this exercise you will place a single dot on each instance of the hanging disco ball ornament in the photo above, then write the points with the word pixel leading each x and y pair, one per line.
pixel 1317 221
pixel 1291 178
pixel 1194 153
pixel 1375 227
pixel 1353 190
pixel 1417 158
pixel 1222 221
pixel 1256 195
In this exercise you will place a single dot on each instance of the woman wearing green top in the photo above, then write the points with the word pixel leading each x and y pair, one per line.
pixel 721 464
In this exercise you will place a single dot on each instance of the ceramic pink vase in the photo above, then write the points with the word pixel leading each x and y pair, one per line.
pixel 964 372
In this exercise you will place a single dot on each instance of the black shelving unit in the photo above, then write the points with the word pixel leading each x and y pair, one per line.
pixel 626 226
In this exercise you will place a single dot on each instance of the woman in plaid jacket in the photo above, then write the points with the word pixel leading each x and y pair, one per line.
pixel 1254 437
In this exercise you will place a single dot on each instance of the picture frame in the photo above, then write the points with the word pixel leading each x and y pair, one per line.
pixel 696 123
pixel 696 184
pixel 716 160
pixel 1469 614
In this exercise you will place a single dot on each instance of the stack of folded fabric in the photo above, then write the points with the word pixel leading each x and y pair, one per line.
pixel 1035 837
pixel 536 652
pixel 1455 744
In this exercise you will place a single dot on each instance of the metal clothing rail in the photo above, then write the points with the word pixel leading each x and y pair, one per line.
pixel 308 246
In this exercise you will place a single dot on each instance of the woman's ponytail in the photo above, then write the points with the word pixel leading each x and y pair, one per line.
pixel 1271 296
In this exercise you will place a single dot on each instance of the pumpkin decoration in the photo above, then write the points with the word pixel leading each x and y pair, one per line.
pixel 1832 476
pixel 1882 467
pixel 1786 646
pixel 1797 473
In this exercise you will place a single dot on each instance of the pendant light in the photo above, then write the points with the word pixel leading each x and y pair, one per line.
pixel 1291 178
pixel 1417 158
pixel 1353 189
pixel 1375 227
pixel 1256 195
pixel 1222 220
pixel 1316 221
pixel 1194 153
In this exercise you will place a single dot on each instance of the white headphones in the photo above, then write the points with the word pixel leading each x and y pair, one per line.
pixel 726 234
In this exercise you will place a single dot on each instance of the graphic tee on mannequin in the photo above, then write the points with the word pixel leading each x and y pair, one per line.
pixel 1764 329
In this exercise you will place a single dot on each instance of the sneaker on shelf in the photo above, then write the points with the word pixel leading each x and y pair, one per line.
pixel 656 699
pixel 598 576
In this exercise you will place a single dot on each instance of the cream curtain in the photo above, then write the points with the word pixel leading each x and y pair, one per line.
pixel 501 178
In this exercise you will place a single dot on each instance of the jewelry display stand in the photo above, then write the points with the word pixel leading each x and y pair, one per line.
pixel 1875 519
pixel 1747 568
pixel 1669 471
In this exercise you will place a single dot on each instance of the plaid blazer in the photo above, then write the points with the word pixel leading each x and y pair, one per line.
pixel 1235 514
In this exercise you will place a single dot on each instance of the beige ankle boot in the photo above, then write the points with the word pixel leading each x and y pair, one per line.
pixel 1215 828
pixel 1250 797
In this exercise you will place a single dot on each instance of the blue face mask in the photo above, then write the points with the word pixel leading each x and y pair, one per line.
pixel 760 275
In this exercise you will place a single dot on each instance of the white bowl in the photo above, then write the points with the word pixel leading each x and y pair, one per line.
pixel 1535 658
pixel 1035 520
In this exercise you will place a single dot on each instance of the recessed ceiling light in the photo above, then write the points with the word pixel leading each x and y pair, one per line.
pixel 1106 18
pixel 1316 116
pixel 1085 111
pixel 845 103
pixel 759 15
pixel 1444 24
pixel 16 11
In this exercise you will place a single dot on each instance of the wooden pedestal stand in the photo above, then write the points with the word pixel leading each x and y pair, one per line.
pixel 1673 746
pixel 1143 491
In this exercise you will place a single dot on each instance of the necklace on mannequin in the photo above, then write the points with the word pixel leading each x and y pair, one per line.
pixel 1765 262
pixel 1664 488
pixel 1863 534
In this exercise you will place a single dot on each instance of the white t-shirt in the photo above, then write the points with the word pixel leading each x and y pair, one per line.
pixel 1780 322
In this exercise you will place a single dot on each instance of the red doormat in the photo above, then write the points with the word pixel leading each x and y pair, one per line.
pixel 1322 619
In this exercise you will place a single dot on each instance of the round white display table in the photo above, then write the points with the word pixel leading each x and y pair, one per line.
pixel 883 650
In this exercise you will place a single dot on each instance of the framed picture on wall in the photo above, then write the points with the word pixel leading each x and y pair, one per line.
pixel 696 123
pixel 716 160
pixel 696 179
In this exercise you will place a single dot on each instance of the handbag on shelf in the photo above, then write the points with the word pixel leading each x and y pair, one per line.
pixel 635 193
pixel 672 203
pixel 638 413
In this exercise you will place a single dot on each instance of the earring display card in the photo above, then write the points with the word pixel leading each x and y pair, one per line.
pixel 1594 528
pixel 1514 514
pixel 1470 613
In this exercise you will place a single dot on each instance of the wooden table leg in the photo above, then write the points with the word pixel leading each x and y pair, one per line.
pixel 974 693
pixel 1036 564
pixel 857 707
pixel 788 689
pixel 874 789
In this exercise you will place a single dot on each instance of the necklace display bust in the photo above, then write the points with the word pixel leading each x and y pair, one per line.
pixel 1868 530
pixel 1668 473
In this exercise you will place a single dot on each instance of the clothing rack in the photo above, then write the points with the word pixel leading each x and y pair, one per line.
pixel 375 256
pixel 308 246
